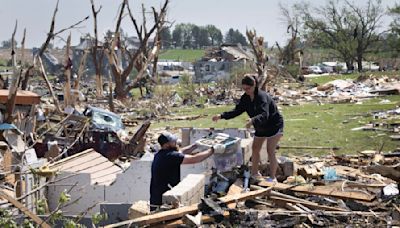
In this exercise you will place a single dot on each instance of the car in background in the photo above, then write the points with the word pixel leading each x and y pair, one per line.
pixel 315 70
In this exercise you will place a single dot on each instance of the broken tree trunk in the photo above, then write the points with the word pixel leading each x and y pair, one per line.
pixel 81 69
pixel 257 44
pixel 179 212
pixel 44 75
pixel 12 94
pixel 110 93
pixel 67 74
pixel 97 64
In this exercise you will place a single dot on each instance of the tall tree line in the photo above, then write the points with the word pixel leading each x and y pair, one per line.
pixel 191 36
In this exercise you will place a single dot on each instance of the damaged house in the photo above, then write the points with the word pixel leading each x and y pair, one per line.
pixel 218 63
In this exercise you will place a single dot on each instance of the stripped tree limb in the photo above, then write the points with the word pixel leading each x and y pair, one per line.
pixel 97 63
pixel 44 75
pixel 81 69
pixel 67 73
pixel 12 94
pixel 257 44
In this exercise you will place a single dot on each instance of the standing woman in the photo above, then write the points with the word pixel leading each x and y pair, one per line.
pixel 266 119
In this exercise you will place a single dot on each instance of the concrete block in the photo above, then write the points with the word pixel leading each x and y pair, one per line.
pixel 171 196
pixel 186 136
pixel 139 209
pixel 115 212
pixel 264 153
pixel 246 145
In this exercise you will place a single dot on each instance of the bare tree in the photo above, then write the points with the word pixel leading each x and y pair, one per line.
pixel 257 44
pixel 367 21
pixel 121 74
pixel 97 58
pixel 347 28
pixel 292 22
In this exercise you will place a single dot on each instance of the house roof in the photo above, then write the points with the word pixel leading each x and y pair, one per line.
pixel 23 97
pixel 237 52
pixel 100 169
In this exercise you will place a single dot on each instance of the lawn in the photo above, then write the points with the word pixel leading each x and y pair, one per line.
pixel 185 55
pixel 324 79
pixel 310 125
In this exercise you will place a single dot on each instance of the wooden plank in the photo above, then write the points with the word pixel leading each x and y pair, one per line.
pixel 24 210
pixel 235 188
pixel 319 190
pixel 385 171
pixel 179 223
pixel 179 212
pixel 309 204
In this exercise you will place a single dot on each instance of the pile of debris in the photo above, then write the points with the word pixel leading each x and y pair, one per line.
pixel 349 189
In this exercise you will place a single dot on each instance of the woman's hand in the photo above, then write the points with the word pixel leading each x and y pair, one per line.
pixel 249 123
pixel 216 118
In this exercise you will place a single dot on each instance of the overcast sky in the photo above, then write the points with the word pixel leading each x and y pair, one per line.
pixel 35 16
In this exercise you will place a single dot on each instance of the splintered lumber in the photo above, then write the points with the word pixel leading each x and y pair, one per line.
pixel 235 188
pixel 24 210
pixel 137 139
pixel 309 204
pixel 320 190
pixel 385 171
pixel 180 222
pixel 280 197
pixel 179 212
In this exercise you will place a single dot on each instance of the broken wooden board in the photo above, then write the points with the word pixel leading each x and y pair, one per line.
pixel 309 204
pixel 235 188
pixel 385 171
pixel 310 171
pixel 179 212
pixel 24 210
pixel 277 196
pixel 319 190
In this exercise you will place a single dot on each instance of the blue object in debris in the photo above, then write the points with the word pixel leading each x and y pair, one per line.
pixel 330 174
pixel 6 126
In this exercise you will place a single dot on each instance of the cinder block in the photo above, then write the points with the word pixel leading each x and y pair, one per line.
pixel 171 196
pixel 139 209
pixel 245 145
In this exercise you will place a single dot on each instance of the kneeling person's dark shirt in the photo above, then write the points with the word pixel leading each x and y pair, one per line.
pixel 165 169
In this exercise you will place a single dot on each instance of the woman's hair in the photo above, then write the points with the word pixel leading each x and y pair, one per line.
pixel 249 80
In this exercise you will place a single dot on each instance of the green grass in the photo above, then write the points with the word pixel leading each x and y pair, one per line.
pixel 185 55
pixel 309 125
pixel 324 79
pixel 4 68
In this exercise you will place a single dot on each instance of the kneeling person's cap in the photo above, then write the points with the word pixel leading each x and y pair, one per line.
pixel 166 137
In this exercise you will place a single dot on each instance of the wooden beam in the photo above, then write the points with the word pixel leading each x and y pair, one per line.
pixel 276 196
pixel 309 204
pixel 24 210
pixel 179 212
pixel 320 190
pixel 235 188
pixel 385 171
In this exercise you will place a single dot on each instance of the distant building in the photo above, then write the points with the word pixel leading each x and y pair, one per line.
pixel 219 63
